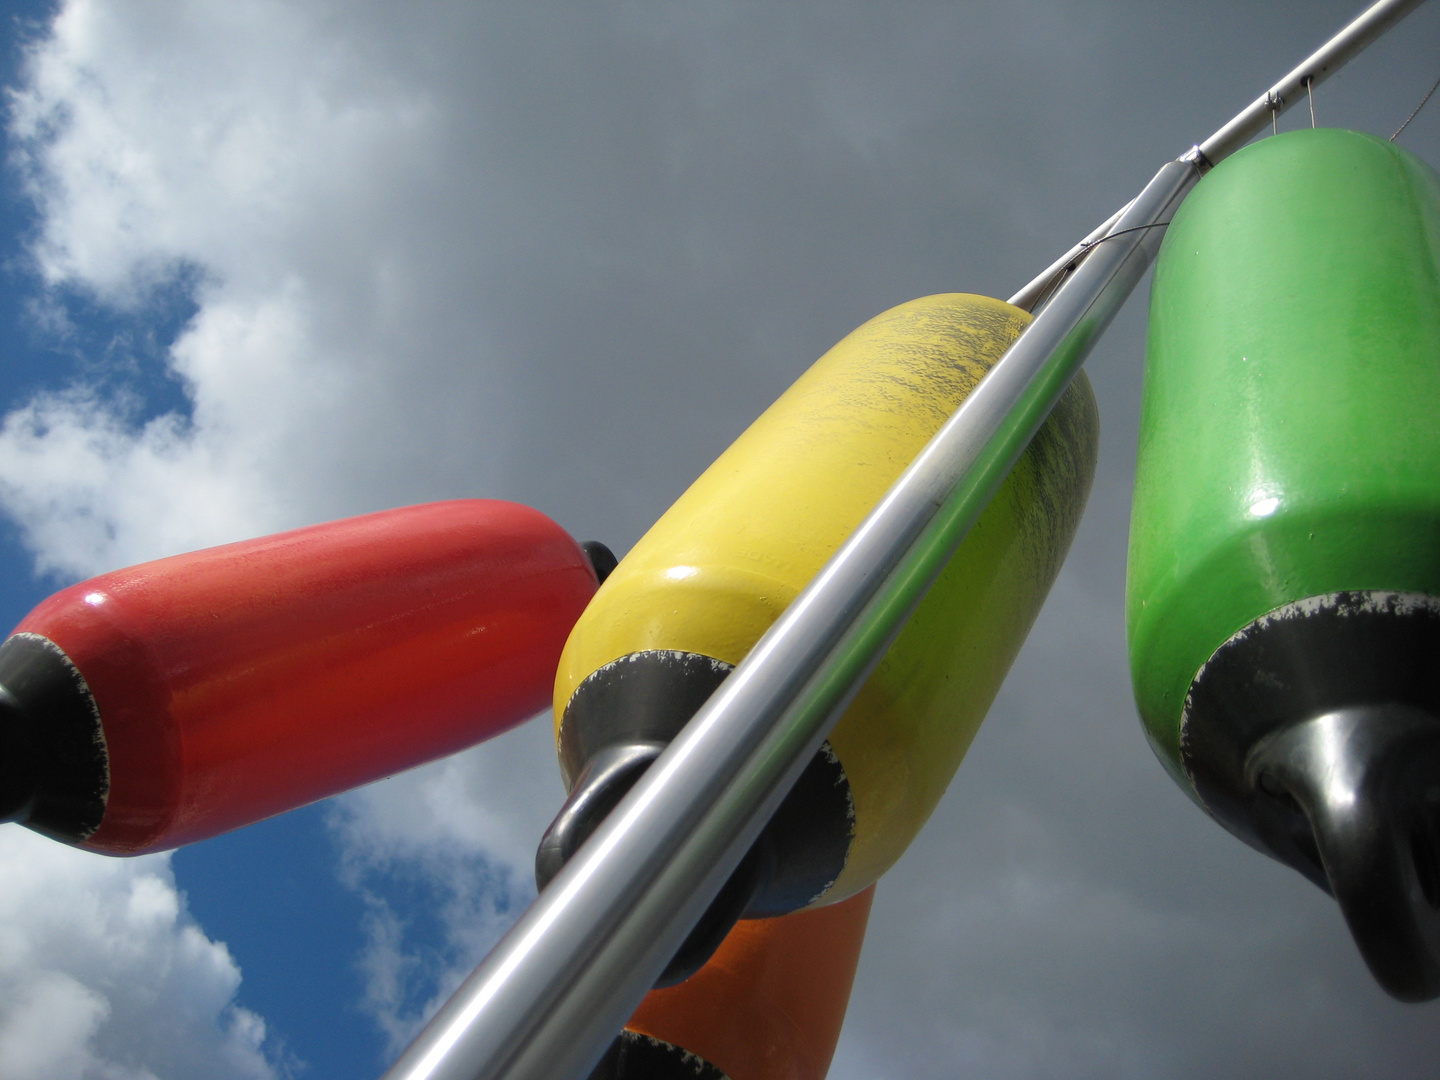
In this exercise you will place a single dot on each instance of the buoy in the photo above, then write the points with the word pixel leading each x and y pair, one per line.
pixel 1284 581
pixel 768 1005
pixel 687 603
pixel 168 702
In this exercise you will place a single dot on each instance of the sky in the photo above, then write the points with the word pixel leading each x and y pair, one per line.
pixel 266 264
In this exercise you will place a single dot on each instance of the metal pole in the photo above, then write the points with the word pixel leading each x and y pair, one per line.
pixel 546 1002
pixel 1313 70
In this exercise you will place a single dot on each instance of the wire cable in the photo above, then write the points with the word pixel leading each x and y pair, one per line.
pixel 1412 116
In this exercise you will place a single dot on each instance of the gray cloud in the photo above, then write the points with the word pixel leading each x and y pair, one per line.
pixel 565 254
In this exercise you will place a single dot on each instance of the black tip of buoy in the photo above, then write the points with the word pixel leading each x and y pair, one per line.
pixel 1365 777
pixel 633 1056
pixel 1313 733
pixel 605 780
pixel 54 769
pixel 17 764
pixel 602 559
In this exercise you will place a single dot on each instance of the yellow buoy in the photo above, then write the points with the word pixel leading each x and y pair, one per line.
pixel 691 598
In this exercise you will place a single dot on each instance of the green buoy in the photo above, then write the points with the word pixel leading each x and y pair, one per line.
pixel 1283 593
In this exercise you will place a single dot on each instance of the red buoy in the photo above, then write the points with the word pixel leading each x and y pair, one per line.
pixel 171 701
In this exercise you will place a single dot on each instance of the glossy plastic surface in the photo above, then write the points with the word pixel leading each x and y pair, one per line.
pixel 1290 435
pixel 770 1003
pixel 720 565
pixel 241 681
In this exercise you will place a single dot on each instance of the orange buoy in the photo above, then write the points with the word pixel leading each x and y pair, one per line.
pixel 767 1006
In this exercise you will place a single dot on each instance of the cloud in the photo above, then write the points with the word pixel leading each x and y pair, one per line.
pixel 436 253
pixel 564 256
pixel 248 157
pixel 103 975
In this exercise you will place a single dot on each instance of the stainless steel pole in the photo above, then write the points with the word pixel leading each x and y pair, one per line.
pixel 552 994
pixel 1311 72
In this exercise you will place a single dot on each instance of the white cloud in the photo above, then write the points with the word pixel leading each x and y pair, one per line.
pixel 263 157
pixel 200 131
pixel 103 975
pixel 254 156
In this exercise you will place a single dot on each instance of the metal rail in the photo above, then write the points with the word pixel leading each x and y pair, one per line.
pixel 1308 74
pixel 546 1002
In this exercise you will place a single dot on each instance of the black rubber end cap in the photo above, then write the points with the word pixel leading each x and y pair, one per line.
pixel 605 780
pixel 19 771
pixel 1313 734
pixel 602 559
pixel 1367 779
pixel 633 1056
pixel 54 769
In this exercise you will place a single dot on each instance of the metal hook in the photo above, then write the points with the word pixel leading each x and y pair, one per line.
pixel 1310 94
pixel 1273 101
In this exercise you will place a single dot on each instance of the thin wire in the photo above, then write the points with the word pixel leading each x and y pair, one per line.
pixel 1310 94
pixel 1111 236
pixel 1412 116
pixel 1273 100
pixel 1055 281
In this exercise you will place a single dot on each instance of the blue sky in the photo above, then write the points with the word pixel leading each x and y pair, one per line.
pixel 317 259
pixel 30 361
pixel 272 892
